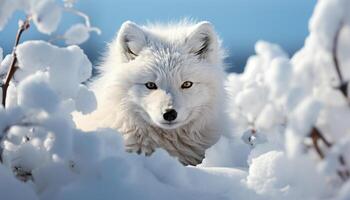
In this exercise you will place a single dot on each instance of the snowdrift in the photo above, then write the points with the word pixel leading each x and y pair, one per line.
pixel 290 137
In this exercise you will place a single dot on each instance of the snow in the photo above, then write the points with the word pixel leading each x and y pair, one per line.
pixel 274 174
pixel 34 92
pixel 86 101
pixel 326 20
pixel 251 101
pixel 40 55
pixel 343 48
pixel 76 34
pixel 344 193
pixel 305 115
pixel 266 154
pixel 11 188
pixel 5 64
pixel 223 154
pixel 278 76
pixel 6 10
pixel 46 15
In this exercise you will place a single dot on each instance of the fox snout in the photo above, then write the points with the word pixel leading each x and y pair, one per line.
pixel 170 115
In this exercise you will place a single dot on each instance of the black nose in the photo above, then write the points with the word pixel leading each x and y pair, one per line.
pixel 170 115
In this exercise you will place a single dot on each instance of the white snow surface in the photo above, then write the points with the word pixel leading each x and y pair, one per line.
pixel 273 106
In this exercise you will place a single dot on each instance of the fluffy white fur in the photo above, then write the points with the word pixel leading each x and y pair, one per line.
pixel 167 55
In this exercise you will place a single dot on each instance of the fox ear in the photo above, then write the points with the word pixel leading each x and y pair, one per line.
pixel 202 41
pixel 131 39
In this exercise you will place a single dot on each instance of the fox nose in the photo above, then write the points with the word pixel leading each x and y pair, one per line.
pixel 170 115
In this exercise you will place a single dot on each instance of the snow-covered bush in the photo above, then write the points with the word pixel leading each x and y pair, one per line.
pixel 289 140
pixel 298 108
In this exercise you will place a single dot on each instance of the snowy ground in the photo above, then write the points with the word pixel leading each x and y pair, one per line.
pixel 276 106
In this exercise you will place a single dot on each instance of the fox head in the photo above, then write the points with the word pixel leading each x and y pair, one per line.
pixel 170 75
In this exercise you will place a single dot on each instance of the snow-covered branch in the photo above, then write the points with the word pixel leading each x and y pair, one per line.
pixel 316 137
pixel 22 26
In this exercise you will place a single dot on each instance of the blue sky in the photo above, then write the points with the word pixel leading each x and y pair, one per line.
pixel 240 23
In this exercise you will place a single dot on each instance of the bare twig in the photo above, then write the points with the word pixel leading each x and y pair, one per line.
pixel 22 27
pixel 345 173
pixel 343 87
pixel 85 17
pixel 316 136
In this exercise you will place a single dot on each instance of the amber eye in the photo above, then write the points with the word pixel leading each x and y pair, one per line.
pixel 186 84
pixel 151 85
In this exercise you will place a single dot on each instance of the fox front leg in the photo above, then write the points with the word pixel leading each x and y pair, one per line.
pixel 135 143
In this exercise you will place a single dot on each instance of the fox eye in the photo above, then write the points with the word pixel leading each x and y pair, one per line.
pixel 186 84
pixel 151 85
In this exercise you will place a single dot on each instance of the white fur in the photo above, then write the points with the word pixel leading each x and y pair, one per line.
pixel 167 55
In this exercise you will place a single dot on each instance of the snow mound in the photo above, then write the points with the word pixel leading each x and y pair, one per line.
pixel 290 136
pixel 66 67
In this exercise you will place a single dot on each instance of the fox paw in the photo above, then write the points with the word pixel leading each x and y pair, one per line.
pixel 139 149
pixel 134 144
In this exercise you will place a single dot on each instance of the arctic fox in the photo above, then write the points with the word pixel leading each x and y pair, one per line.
pixel 161 86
